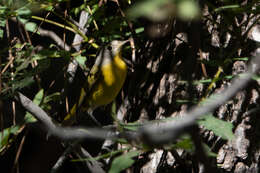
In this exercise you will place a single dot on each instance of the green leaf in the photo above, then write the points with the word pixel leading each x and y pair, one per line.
pixel 131 126
pixel 2 24
pixel 241 59
pixel 227 7
pixel 124 161
pixel 81 60
pixel 51 97
pixel 202 81
pixel 38 97
pixel 3 9
pixel 1 33
pixel 153 9
pixel 24 11
pixel 5 136
pixel 137 31
pixel 24 65
pixel 188 9
pixel 256 77
pixel 219 127
pixel 29 118
pixel 31 26
pixel 23 83
pixel 103 156
pixel 49 8
pixel 113 111
pixel 208 151
pixel 185 144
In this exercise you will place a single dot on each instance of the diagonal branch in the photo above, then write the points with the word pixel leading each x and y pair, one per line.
pixel 151 133
pixel 164 132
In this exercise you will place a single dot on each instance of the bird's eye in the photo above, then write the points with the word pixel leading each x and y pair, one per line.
pixel 109 47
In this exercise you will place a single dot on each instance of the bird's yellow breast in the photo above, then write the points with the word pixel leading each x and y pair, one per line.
pixel 111 81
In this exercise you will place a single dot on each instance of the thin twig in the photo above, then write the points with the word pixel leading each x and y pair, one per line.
pixel 73 66
pixel 55 37
pixel 60 162
pixel 54 23
pixel 15 165
pixel 11 58
pixel 34 62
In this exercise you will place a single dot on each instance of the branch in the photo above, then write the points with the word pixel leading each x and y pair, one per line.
pixel 65 133
pixel 55 37
pixel 83 19
pixel 161 133
pixel 72 67
pixel 151 133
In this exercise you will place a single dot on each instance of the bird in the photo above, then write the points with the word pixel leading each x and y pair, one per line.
pixel 105 80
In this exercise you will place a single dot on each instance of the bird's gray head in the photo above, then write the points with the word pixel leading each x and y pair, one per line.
pixel 116 45
pixel 110 51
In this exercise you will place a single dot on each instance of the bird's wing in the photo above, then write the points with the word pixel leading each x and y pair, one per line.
pixel 93 79
pixel 95 73
pixel 94 76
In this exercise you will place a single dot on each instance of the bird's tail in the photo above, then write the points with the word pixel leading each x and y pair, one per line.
pixel 70 118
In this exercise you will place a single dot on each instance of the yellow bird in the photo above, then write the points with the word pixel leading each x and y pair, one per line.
pixel 105 80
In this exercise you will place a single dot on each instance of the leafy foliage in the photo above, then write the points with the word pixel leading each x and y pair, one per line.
pixel 219 127
pixel 36 51
pixel 122 162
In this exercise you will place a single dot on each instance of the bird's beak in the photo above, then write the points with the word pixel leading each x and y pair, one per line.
pixel 124 42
